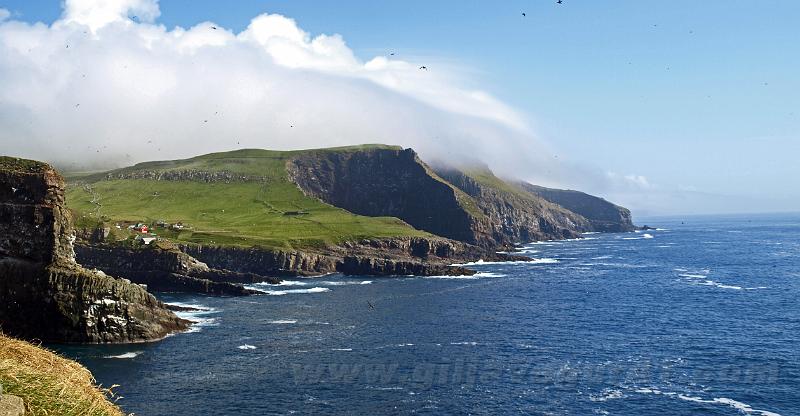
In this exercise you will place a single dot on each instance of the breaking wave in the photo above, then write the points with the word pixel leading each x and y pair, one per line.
pixel 127 355
pixel 290 291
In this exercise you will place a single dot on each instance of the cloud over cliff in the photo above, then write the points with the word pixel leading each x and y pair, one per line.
pixel 107 84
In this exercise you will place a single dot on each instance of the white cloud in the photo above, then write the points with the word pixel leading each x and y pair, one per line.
pixel 4 14
pixel 101 86
pixel 99 13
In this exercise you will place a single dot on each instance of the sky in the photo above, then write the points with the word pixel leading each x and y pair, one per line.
pixel 664 107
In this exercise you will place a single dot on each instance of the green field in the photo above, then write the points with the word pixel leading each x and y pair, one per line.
pixel 271 212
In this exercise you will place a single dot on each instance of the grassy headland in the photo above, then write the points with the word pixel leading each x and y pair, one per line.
pixel 264 210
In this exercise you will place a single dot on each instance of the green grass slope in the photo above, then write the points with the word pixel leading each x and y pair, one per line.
pixel 270 212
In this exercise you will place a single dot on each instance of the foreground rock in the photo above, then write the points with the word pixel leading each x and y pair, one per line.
pixel 11 405
pixel 44 293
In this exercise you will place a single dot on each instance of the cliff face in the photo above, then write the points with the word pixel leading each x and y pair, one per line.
pixel 44 293
pixel 383 182
pixel 512 215
pixel 447 202
pixel 166 270
pixel 377 257
pixel 602 215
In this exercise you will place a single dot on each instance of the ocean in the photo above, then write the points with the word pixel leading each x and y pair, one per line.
pixel 700 317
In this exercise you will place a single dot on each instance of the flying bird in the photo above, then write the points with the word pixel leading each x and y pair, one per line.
pixel 214 27
pixel 560 2
pixel 523 14
pixel 423 67
pixel 370 305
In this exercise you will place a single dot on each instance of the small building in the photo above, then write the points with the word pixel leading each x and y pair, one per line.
pixel 142 228
pixel 146 239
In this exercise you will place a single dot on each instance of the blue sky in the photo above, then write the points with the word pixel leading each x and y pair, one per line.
pixel 701 98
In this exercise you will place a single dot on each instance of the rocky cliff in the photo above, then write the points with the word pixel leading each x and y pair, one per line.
pixel 45 294
pixel 445 202
pixel 384 182
pixel 513 216
pixel 166 270
pixel 603 216
pixel 378 257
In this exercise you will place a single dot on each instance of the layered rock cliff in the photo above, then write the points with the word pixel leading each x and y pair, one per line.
pixel 513 216
pixel 44 293
pixel 384 182
pixel 167 270
pixel 445 202
pixel 378 257
pixel 603 216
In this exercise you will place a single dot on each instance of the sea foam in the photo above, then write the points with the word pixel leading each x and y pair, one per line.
pixel 127 355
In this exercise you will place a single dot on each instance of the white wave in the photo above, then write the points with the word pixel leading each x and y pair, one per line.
pixel 466 277
pixel 693 276
pixel 489 274
pixel 742 407
pixel 404 345
pixel 721 286
pixel 283 321
pixel 127 355
pixel 473 343
pixel 703 280
pixel 643 237
pixel 487 263
pixel 198 317
pixel 608 394
pixel 462 277
pixel 602 257
pixel 346 283
pixel 200 308
pixel 591 232
pixel 292 283
pixel 291 291
pixel 341 349
pixel 246 347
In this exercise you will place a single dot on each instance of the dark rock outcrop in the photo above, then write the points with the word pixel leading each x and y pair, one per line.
pixel 44 294
pixel 378 257
pixel 167 270
pixel 602 215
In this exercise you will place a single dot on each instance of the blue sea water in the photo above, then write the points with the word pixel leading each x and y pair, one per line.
pixel 698 317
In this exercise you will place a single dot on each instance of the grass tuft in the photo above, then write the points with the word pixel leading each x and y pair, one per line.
pixel 50 384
